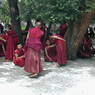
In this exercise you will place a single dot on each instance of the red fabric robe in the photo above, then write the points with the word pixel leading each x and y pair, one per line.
pixel 12 39
pixel 63 29
pixel 19 61
pixel 51 52
pixel 32 55
pixel 86 49
pixel 61 50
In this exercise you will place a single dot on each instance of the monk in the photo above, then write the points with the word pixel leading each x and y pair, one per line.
pixel 50 52
pixel 11 39
pixel 19 57
pixel 61 49
pixel 32 55
pixel 86 49
pixel 63 28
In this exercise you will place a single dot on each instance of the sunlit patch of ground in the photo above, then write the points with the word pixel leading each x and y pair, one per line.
pixel 76 78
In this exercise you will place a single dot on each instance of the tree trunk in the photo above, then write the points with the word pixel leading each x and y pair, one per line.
pixel 77 33
pixel 15 19
pixel 49 28
pixel 48 31
pixel 29 24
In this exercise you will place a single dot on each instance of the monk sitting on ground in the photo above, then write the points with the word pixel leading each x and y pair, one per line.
pixel 19 57
pixel 86 49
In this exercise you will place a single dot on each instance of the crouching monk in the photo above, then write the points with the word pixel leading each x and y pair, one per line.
pixel 19 58
pixel 86 49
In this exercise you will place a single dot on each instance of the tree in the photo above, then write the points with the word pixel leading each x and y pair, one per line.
pixel 76 34
pixel 26 12
pixel 15 19
pixel 4 12
pixel 78 28
pixel 77 13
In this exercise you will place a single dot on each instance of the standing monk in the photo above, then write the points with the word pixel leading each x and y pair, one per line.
pixel 12 39
pixel 32 56
pixel 61 49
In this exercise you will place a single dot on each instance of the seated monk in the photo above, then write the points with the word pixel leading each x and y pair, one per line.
pixel 50 52
pixel 19 57
pixel 86 50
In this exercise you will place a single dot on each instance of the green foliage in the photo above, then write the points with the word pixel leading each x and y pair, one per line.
pixel 90 4
pixel 49 10
pixel 25 9
pixel 4 12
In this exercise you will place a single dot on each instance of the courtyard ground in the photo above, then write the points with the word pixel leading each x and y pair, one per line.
pixel 76 78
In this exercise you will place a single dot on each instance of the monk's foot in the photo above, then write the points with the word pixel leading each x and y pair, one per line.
pixel 34 76
pixel 7 60
pixel 29 74
pixel 56 65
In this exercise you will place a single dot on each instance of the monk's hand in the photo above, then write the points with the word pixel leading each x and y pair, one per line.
pixel 2 39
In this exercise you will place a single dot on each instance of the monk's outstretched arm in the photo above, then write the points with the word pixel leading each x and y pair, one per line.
pixel 2 39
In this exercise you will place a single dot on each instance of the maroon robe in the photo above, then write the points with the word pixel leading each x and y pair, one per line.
pixel 86 49
pixel 12 39
pixel 51 54
pixel 19 61
pixel 63 29
pixel 61 50
pixel 32 56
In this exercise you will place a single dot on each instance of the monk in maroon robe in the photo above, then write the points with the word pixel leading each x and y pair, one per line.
pixel 11 39
pixel 61 49
pixel 50 52
pixel 32 55
pixel 19 57
pixel 86 49
pixel 63 28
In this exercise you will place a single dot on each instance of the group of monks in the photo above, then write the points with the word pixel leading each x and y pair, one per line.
pixel 28 56
pixel 9 39
pixel 54 47
pixel 12 49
